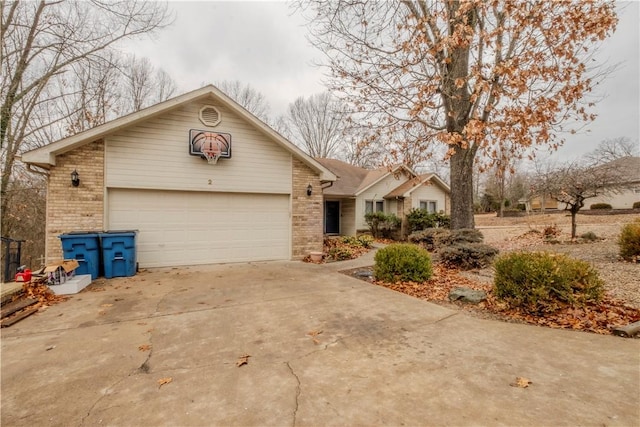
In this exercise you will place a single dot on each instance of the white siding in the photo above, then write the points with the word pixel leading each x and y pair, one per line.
pixel 188 227
pixel 155 155
pixel 377 192
pixel 428 192
pixel 622 200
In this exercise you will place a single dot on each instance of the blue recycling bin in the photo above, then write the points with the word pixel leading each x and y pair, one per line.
pixel 85 248
pixel 119 253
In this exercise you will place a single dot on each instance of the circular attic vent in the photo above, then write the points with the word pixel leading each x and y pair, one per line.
pixel 209 115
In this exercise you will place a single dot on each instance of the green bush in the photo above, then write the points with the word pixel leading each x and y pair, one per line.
pixel 382 224
pixel 463 235
pixel 600 206
pixel 402 262
pixel 421 219
pixel 540 282
pixel 429 238
pixel 365 240
pixel 467 256
pixel 629 241
pixel 636 205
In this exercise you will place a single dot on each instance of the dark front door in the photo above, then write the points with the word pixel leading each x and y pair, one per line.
pixel 331 217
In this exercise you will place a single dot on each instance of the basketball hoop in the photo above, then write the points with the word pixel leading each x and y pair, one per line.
pixel 211 156
pixel 211 151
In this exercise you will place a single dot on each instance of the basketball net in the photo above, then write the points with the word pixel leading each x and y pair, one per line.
pixel 211 151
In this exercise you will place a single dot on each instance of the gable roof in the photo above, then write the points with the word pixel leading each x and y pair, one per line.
pixel 353 180
pixel 45 156
pixel 405 189
pixel 349 177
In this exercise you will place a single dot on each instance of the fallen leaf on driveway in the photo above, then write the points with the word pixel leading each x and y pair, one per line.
pixel 144 347
pixel 521 382
pixel 243 360
pixel 163 381
pixel 313 334
pixel 106 305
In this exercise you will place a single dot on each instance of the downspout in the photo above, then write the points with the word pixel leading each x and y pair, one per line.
pixel 328 186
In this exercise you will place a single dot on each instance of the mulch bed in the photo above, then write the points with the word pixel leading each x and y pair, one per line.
pixel 599 318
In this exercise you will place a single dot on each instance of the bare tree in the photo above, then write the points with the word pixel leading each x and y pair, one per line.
pixel 543 180
pixel 613 149
pixel 317 124
pixel 137 74
pixel 576 182
pixel 245 95
pixel 474 74
pixel 42 43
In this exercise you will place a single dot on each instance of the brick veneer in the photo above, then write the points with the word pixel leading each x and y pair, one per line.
pixel 306 211
pixel 72 208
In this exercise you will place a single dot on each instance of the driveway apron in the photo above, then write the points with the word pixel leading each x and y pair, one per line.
pixel 165 348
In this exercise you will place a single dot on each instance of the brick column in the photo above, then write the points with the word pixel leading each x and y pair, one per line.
pixel 307 233
pixel 72 208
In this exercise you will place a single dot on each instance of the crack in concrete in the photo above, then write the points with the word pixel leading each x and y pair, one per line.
pixel 102 396
pixel 445 318
pixel 145 368
pixel 298 391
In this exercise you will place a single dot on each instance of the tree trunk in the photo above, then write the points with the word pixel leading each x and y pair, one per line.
pixel 462 188
pixel 573 223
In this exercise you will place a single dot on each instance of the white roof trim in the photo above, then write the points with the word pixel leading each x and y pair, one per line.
pixel 433 177
pixel 401 166
pixel 45 156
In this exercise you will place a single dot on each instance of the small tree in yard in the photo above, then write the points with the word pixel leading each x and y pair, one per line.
pixel 574 183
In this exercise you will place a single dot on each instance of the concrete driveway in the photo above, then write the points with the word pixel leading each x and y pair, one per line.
pixel 325 349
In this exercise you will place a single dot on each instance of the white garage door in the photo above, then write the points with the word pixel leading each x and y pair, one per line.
pixel 186 228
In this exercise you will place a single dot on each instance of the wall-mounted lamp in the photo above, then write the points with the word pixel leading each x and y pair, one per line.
pixel 309 190
pixel 75 178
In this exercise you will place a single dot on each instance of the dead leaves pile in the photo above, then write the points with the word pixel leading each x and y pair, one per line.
pixel 600 318
pixel 37 289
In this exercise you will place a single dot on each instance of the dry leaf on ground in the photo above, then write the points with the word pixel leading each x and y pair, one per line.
pixel 243 360
pixel 521 382
pixel 163 381
pixel 314 334
pixel 144 347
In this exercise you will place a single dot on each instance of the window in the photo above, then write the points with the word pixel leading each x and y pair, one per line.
pixel 370 204
pixel 430 206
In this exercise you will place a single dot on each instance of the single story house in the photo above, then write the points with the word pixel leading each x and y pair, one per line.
pixel 396 190
pixel 200 178
pixel 627 170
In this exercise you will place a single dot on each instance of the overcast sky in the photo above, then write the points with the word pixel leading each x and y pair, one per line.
pixel 264 45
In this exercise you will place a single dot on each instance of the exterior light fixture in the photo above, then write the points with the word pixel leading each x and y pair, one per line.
pixel 75 178
pixel 309 190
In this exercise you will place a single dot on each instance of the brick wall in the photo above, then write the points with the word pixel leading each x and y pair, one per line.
pixel 72 208
pixel 306 211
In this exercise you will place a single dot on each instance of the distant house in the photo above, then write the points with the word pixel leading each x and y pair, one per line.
pixel 395 190
pixel 628 169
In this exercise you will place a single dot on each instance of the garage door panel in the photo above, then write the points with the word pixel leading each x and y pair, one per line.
pixel 184 228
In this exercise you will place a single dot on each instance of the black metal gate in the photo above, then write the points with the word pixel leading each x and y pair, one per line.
pixel 11 252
